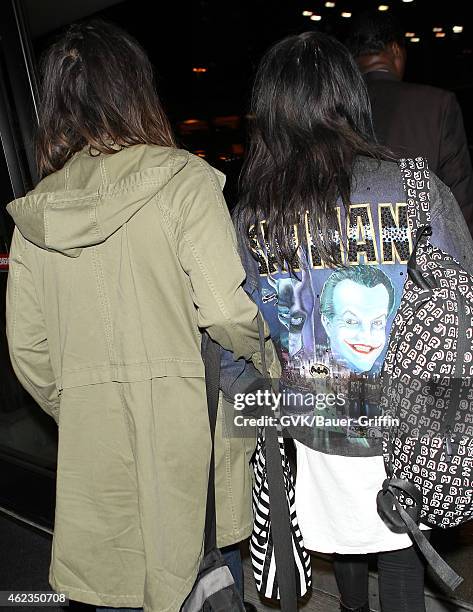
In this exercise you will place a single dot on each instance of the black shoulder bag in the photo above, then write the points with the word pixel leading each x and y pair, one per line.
pixel 214 589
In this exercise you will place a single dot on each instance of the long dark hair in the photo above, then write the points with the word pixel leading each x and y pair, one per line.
pixel 97 90
pixel 311 117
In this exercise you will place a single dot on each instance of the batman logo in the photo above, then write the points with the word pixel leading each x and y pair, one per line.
pixel 319 370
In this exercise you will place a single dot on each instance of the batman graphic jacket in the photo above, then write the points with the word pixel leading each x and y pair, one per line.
pixel 331 325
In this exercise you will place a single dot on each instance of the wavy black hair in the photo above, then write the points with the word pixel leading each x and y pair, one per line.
pixel 312 117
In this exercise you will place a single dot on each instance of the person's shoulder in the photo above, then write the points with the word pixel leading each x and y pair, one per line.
pixel 377 179
pixel 427 92
pixel 442 200
pixel 185 167
pixel 370 167
pixel 200 166
pixel 145 156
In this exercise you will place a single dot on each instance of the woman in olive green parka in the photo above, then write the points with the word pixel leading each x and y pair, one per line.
pixel 121 255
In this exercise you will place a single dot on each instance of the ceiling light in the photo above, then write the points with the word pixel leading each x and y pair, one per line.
pixel 316 17
pixel 440 35
pixel 437 29
pixel 383 7
pixel 416 39
pixel 457 29
pixel 409 34
pixel 346 14
pixel 330 4
pixel 307 13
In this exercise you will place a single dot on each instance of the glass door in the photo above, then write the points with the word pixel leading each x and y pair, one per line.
pixel 28 437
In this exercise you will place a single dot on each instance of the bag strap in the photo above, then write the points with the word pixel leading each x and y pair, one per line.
pixel 280 517
pixel 401 520
pixel 211 358
pixel 416 182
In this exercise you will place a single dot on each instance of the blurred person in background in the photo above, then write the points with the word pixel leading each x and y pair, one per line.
pixel 411 119
pixel 121 255
pixel 321 215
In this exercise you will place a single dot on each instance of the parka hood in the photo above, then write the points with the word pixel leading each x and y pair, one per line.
pixel 117 186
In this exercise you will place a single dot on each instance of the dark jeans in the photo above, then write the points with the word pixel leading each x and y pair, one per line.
pixel 232 557
pixel 400 578
pixel 233 560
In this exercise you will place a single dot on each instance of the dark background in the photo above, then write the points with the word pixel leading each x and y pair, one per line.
pixel 227 39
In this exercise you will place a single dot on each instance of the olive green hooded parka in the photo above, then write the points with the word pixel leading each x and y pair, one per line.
pixel 117 262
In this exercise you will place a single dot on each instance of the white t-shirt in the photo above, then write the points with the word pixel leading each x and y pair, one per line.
pixel 336 504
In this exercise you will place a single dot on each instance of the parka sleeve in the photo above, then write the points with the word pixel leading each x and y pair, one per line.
pixel 207 252
pixel 26 331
